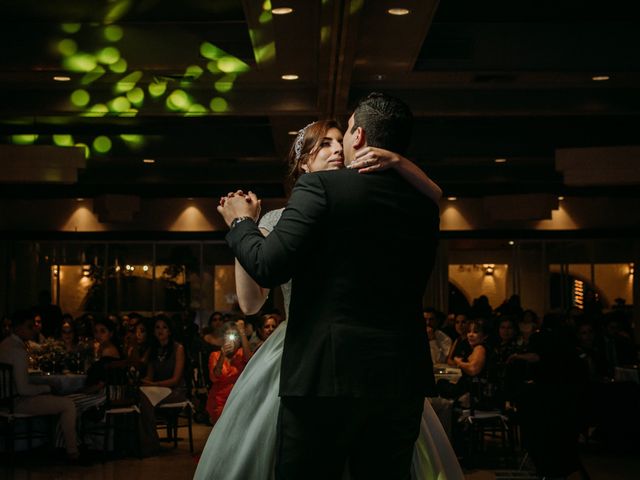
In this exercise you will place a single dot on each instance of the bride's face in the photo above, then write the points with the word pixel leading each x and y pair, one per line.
pixel 328 155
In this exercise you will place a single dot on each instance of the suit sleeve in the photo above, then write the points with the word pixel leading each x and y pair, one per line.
pixel 271 260
pixel 24 388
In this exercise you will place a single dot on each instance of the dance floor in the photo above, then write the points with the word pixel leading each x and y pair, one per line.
pixel 180 464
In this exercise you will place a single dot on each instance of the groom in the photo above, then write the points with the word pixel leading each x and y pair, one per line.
pixel 356 364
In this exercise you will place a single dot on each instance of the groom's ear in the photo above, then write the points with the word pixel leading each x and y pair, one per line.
pixel 359 138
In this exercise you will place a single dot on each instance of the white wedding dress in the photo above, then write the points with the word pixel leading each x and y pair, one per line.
pixel 242 444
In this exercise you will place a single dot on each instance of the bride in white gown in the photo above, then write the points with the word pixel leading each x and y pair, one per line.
pixel 242 444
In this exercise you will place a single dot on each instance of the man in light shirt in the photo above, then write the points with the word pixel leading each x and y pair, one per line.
pixel 31 398
pixel 439 342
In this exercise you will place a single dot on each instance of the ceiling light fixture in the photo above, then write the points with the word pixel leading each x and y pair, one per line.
pixel 61 78
pixel 398 11
pixel 600 78
pixel 293 132
pixel 561 198
pixel 500 160
pixel 511 242
pixel 282 10
pixel 452 199
pixel 149 160
pixel 290 76
pixel 80 199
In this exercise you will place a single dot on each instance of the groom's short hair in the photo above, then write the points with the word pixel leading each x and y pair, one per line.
pixel 386 121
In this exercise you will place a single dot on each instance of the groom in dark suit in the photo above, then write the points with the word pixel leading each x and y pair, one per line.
pixel 356 364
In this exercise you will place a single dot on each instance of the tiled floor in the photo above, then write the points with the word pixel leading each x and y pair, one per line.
pixel 180 464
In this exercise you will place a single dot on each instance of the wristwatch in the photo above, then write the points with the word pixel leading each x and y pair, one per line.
pixel 238 220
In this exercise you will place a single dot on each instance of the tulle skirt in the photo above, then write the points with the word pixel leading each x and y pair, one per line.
pixel 242 444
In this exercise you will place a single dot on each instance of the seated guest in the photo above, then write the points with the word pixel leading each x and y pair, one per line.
pixel 36 399
pixel 266 327
pixel 439 342
pixel 166 360
pixel 38 338
pixel 138 350
pixel 68 335
pixel 166 368
pixel 213 334
pixel 590 353
pixel 473 364
pixel 460 346
pixel 506 344
pixel 526 343
pixel 6 328
pixel 226 366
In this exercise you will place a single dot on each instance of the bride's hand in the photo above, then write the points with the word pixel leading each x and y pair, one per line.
pixel 372 159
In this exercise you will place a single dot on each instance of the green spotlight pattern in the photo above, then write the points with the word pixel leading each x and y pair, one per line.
pixel 129 95
pixel 80 98
pixel 63 140
pixel 102 144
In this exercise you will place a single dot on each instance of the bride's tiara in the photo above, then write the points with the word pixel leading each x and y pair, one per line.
pixel 297 146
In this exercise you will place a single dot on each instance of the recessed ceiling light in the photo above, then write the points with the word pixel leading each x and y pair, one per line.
pixel 80 199
pixel 281 10
pixel 61 78
pixel 290 76
pixel 600 78
pixel 452 199
pixel 189 198
pixel 500 160
pixel 511 242
pixel 149 160
pixel 293 132
pixel 398 11
pixel 560 198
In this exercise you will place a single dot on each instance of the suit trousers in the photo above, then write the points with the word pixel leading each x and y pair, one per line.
pixel 53 405
pixel 320 437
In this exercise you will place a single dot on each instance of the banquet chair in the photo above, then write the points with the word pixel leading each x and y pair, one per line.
pixel 170 414
pixel 121 408
pixel 9 420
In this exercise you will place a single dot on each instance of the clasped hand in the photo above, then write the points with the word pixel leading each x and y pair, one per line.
pixel 238 204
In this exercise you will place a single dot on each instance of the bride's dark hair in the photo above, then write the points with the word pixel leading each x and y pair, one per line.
pixel 311 140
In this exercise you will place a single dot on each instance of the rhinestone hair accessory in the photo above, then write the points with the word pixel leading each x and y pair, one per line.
pixel 297 146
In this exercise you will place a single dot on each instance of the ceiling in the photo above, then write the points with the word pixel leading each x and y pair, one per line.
pixel 196 86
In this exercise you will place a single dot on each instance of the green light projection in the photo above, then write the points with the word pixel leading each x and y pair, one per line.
pixel 80 98
pixel 63 140
pixel 24 139
pixel 102 144
pixel 129 95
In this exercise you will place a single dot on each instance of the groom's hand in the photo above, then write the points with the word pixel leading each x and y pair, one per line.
pixel 237 204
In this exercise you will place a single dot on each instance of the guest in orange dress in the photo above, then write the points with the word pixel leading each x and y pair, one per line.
pixel 226 366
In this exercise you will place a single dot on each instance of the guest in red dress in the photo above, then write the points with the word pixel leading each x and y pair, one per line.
pixel 226 366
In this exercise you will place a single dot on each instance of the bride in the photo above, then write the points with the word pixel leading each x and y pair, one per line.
pixel 242 444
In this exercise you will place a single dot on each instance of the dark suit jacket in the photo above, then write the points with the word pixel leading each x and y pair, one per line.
pixel 360 249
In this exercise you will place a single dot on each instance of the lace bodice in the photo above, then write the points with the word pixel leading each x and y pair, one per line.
pixel 267 222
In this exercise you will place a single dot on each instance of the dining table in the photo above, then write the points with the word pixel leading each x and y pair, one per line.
pixel 60 383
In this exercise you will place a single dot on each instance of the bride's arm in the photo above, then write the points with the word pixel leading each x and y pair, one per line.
pixel 251 296
pixel 371 159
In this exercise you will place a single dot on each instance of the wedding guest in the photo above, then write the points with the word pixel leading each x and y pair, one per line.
pixel 68 335
pixel 213 335
pixel 473 364
pixel 38 338
pixel 6 328
pixel 268 323
pixel 139 349
pixel 36 399
pixel 166 369
pixel 460 346
pixel 439 342
pixel 226 365
pixel 590 353
pixel 50 315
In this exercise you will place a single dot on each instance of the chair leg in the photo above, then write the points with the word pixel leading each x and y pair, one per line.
pixel 190 424
pixel 105 447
